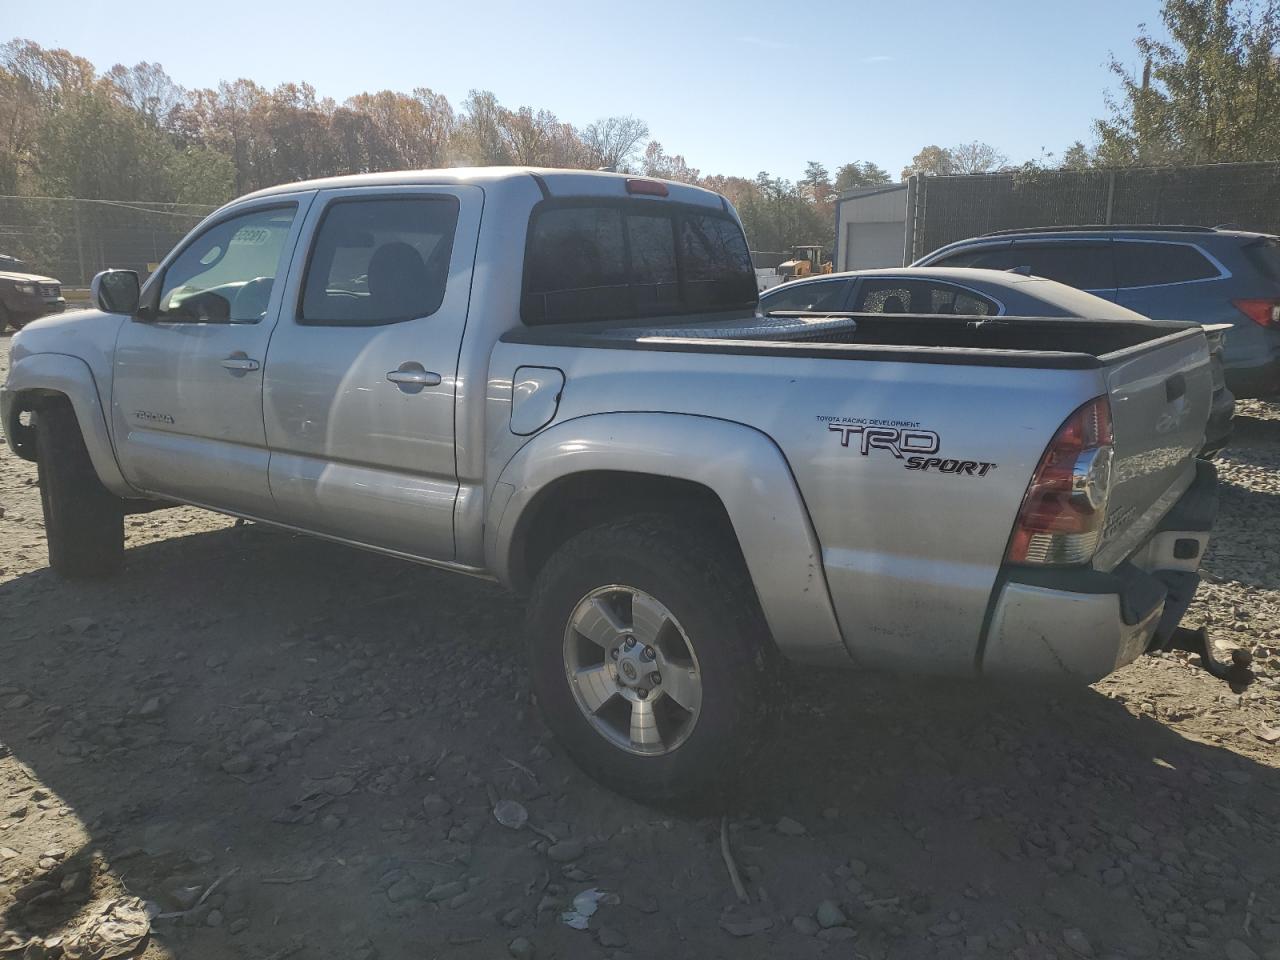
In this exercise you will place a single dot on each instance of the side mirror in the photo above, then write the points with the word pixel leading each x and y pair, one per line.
pixel 116 291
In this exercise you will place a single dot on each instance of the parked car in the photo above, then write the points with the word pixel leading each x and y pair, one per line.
pixel 24 295
pixel 559 380
pixel 1205 274
pixel 982 292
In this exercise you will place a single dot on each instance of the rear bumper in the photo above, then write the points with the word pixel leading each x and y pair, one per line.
pixel 1080 625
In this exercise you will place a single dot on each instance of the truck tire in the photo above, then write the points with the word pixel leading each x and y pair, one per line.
pixel 83 521
pixel 4 319
pixel 650 658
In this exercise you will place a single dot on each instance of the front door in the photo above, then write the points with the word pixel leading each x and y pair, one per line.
pixel 186 396
pixel 361 376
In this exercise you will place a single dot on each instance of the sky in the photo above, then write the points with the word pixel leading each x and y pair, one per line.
pixel 736 86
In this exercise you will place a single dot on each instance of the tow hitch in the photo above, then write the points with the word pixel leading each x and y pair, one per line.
pixel 1236 673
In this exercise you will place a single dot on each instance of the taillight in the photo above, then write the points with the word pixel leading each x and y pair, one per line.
pixel 1265 313
pixel 1061 518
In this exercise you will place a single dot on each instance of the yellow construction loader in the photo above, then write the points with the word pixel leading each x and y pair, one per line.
pixel 807 262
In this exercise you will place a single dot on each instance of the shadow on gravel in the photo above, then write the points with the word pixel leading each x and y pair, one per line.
pixel 1247 431
pixel 334 727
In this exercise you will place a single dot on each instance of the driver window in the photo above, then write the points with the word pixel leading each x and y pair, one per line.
pixel 225 275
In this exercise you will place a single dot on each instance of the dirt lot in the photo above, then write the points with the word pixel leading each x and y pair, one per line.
pixel 289 748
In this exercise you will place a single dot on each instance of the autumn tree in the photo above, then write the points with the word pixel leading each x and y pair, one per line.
pixel 148 90
pixel 658 163
pixel 480 137
pixel 975 157
pixel 931 161
pixel 611 143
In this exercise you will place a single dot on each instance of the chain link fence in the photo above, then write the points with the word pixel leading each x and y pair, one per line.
pixel 72 240
pixel 944 209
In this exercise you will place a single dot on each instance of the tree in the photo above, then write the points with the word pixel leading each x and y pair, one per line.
pixel 657 163
pixel 931 161
pixel 100 148
pixel 816 182
pixel 611 143
pixel 34 84
pixel 1076 157
pixel 198 175
pixel 480 130
pixel 529 136
pixel 855 174
pixel 1209 95
pixel 150 91
pixel 975 157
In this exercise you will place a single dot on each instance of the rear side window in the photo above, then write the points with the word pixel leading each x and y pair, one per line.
pixel 1084 266
pixel 820 295
pixel 1143 264
pixel 602 261
pixel 895 295
pixel 1264 254
pixel 380 261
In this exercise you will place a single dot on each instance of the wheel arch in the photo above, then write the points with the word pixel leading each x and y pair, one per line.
pixel 727 475
pixel 40 377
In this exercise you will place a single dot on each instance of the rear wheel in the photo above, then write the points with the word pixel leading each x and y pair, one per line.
pixel 650 659
pixel 83 521
pixel 4 319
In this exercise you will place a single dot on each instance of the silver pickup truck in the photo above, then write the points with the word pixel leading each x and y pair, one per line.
pixel 558 380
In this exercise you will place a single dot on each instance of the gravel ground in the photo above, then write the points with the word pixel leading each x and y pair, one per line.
pixel 289 748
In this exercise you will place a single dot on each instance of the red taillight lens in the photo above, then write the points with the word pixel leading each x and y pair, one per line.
pixel 647 188
pixel 1062 514
pixel 1265 313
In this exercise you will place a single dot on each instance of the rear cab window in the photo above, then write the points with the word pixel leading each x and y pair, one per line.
pixel 616 259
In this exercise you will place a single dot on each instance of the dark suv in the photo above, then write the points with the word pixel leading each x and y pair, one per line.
pixel 1205 274
pixel 24 295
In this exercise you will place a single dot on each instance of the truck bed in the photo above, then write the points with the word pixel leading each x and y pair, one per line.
pixel 1050 342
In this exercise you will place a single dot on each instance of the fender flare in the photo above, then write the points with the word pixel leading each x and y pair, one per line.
pixel 739 464
pixel 70 376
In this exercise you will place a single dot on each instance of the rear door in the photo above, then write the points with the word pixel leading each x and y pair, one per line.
pixel 361 376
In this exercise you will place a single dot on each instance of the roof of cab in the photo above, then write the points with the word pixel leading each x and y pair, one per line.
pixel 552 181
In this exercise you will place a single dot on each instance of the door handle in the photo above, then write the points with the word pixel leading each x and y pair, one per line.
pixel 239 362
pixel 411 377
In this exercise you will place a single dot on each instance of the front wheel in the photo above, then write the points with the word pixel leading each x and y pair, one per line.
pixel 650 659
pixel 83 520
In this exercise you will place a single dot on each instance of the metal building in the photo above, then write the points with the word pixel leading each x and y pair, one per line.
pixel 871 225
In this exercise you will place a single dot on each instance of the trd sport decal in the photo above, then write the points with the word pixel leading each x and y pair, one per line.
pixel 906 441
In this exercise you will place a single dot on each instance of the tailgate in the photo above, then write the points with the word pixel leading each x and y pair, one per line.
pixel 1160 398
